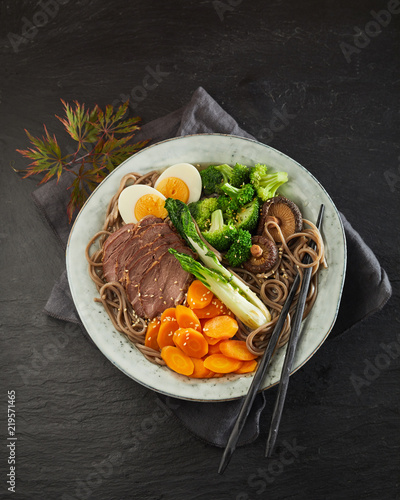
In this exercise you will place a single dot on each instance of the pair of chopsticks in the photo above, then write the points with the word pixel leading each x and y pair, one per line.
pixel 266 358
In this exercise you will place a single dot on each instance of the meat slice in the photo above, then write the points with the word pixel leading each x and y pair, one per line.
pixel 164 285
pixel 115 240
pixel 149 220
pixel 112 246
pixel 141 236
pixel 141 266
pixel 127 272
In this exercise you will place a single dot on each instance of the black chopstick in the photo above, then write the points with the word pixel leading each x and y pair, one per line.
pixel 291 348
pixel 259 375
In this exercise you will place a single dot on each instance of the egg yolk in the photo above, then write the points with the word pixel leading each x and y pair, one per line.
pixel 150 204
pixel 173 187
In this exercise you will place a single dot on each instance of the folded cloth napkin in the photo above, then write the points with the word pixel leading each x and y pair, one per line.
pixel 367 287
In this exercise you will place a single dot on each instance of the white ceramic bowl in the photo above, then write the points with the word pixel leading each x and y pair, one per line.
pixel 302 188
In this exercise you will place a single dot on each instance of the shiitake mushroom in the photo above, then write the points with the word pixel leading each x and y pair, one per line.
pixel 285 213
pixel 264 255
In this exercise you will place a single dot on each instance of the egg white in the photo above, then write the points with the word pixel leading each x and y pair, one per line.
pixel 129 197
pixel 189 174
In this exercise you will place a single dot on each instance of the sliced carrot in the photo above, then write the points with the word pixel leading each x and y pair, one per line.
pixel 236 349
pixel 212 340
pixel 191 342
pixel 151 334
pixel 214 308
pixel 198 295
pixel 168 326
pixel 247 366
pixel 214 348
pixel 221 327
pixel 186 318
pixel 177 360
pixel 219 363
pixel 170 312
pixel 200 371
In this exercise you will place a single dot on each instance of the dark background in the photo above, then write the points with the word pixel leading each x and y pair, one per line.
pixel 84 429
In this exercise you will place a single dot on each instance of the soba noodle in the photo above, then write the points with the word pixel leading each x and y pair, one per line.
pixel 272 287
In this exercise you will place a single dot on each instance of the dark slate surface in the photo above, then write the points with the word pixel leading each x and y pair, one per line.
pixel 84 429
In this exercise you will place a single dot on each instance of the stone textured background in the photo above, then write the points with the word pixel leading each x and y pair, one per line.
pixel 84 429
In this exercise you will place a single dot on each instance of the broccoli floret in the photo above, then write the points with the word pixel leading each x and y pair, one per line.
pixel 247 217
pixel 201 211
pixel 239 196
pixel 239 251
pixel 220 235
pixel 227 206
pixel 264 183
pixel 211 179
pixel 237 176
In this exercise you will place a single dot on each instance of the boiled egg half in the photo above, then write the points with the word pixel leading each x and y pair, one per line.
pixel 181 181
pixel 137 201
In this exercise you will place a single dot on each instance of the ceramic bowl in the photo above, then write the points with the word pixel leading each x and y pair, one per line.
pixel 303 188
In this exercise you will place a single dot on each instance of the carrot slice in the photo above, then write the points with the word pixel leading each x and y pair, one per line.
pixel 236 349
pixel 177 360
pixel 214 308
pixel 221 327
pixel 170 312
pixel 247 366
pixel 212 340
pixel 198 295
pixel 167 328
pixel 186 318
pixel 219 363
pixel 151 334
pixel 200 371
pixel 191 342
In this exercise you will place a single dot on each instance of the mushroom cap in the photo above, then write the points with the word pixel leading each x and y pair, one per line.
pixel 286 213
pixel 263 258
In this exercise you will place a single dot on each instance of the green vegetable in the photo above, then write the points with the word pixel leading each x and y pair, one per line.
pixel 211 179
pixel 201 211
pixel 236 176
pixel 225 290
pixel 239 250
pixel 182 220
pixel 220 235
pixel 264 183
pixel 247 217
pixel 239 196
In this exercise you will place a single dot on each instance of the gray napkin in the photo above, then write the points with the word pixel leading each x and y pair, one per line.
pixel 367 284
